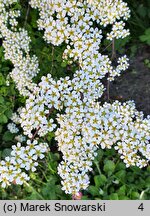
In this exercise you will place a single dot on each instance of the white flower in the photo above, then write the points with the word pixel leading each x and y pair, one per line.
pixel 12 128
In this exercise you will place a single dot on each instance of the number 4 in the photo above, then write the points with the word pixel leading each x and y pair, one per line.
pixel 141 207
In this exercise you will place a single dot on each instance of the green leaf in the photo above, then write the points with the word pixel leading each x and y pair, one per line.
pixel 3 119
pixel 147 183
pixel 130 177
pixel 1 100
pixel 63 64
pixel 33 176
pixel 34 19
pixel 8 136
pixel 135 195
pixel 8 113
pixel 114 196
pixel 1 51
pixel 2 79
pixel 17 6
pixel 121 175
pixel 122 190
pixel 100 180
pixel 59 58
pixel 50 136
pixel 85 198
pixel 146 37
pixel 3 90
pixel 49 190
pixel 120 166
pixel 93 190
pixel 123 197
pixel 109 167
pixel 148 168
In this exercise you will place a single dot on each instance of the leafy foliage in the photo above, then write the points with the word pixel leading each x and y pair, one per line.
pixel 110 180
pixel 113 181
pixel 146 37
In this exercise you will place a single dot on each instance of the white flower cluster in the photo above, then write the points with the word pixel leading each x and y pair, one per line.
pixel 72 22
pixel 110 11
pixel 12 128
pixel 63 20
pixel 40 105
pixel 83 129
pixel 15 116
pixel 16 48
pixel 118 31
pixel 85 124
pixel 12 169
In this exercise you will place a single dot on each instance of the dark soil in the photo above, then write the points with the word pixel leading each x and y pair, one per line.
pixel 134 84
